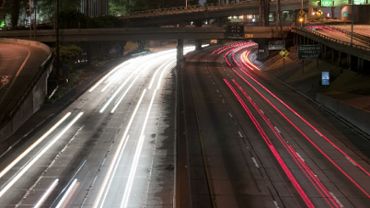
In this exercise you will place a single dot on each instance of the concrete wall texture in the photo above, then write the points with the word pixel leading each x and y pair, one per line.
pixel 34 98
pixel 357 117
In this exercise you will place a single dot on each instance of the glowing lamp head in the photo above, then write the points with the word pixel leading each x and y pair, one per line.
pixel 301 19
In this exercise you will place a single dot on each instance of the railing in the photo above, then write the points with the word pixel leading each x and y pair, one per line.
pixel 326 37
pixel 200 8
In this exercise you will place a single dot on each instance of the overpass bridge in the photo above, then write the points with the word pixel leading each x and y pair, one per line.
pixel 177 15
pixel 337 45
pixel 124 34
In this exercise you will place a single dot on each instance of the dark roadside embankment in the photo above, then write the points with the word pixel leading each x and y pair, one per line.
pixel 347 98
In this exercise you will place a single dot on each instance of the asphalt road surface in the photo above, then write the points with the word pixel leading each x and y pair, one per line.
pixel 253 142
pixel 112 147
pixel 224 135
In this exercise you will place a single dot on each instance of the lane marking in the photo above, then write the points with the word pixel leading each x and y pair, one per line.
pixel 240 134
pixel 336 199
pixel 276 204
pixel 277 130
pixel 300 157
pixel 231 115
pixel 255 162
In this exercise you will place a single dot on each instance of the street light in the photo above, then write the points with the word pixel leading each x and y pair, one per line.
pixel 301 20
pixel 352 16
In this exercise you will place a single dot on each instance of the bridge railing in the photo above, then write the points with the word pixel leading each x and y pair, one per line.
pixel 326 37
pixel 198 8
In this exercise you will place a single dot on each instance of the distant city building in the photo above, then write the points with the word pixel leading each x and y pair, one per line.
pixel 94 8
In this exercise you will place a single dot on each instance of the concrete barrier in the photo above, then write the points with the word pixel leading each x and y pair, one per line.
pixel 357 117
pixel 33 97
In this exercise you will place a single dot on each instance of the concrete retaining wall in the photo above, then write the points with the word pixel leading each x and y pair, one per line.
pixel 357 117
pixel 34 97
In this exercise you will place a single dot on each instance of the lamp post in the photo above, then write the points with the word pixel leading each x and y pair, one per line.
pixel 352 16
pixel 57 49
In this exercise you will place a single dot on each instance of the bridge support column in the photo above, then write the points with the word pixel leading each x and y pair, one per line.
pixel 198 45
pixel 360 64
pixel 180 52
pixel 263 50
pixel 339 62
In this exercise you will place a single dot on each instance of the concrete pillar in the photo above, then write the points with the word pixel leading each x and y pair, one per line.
pixel 180 52
pixel 198 44
pixel 332 56
pixel 339 62
pixel 263 51
pixel 360 64
pixel 349 61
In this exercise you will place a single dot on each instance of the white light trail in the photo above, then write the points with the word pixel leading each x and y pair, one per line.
pixel 100 199
pixel 168 66
pixel 139 146
pixel 107 75
pixel 30 148
pixel 116 93
pixel 46 194
pixel 25 168
pixel 68 194
pixel 124 94
pixel 135 161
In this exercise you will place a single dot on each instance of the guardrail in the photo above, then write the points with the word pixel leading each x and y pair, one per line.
pixel 326 37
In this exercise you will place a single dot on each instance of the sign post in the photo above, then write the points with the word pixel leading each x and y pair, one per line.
pixel 308 52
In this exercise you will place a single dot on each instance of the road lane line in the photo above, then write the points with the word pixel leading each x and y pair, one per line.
pixel 100 199
pixel 308 139
pixel 231 115
pixel 337 200
pixel 46 194
pixel 30 148
pixel 299 161
pixel 272 148
pixel 304 120
pixel 25 168
pixel 240 134
pixel 255 162
pixel 277 130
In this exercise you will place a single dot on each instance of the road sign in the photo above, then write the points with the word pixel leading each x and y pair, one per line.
pixel 235 30
pixel 309 51
pixel 284 53
pixel 325 78
pixel 276 45
pixel 248 35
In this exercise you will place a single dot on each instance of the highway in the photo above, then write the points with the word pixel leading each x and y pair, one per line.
pixel 112 147
pixel 253 142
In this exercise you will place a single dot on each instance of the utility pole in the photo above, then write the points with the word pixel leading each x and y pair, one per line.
pixel 278 17
pixel 57 42
pixel 352 19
